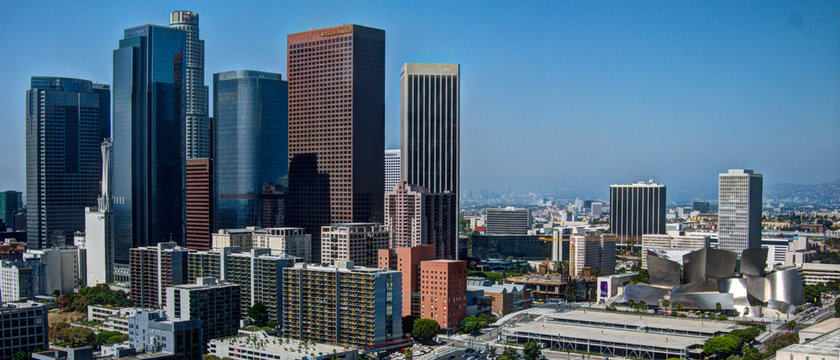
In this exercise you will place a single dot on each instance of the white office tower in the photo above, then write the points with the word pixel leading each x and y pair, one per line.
pixel 739 210
pixel 99 229
pixel 392 169
pixel 198 132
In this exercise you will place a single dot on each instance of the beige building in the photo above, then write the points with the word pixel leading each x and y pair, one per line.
pixel 414 217
pixel 595 251
pixel 241 238
pixel 356 242
pixel 285 241
pixel 814 273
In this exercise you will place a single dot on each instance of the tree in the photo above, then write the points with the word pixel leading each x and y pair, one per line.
pixel 721 346
pixel 642 277
pixel 571 290
pixel 102 337
pixel 510 354
pixel 492 352
pixel 746 311
pixel 408 323
pixel 666 304
pixel 631 304
pixel 531 351
pixel 837 308
pixel 718 307
pixel 272 324
pixel 258 314
pixel 74 336
pixel 22 355
pixel 425 329
pixel 408 354
pixel 678 306
pixel 790 325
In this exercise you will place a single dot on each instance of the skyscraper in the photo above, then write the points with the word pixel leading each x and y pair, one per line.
pixel 508 221
pixel 10 201
pixel 99 229
pixel 430 131
pixel 199 203
pixel 336 127
pixel 198 133
pixel 148 160
pixel 415 217
pixel 739 210
pixel 251 114
pixel 637 209
pixel 392 169
pixel 66 121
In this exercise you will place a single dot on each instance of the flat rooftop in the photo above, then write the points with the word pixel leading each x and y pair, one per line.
pixel 647 321
pixel 279 346
pixel 828 344
pixel 632 338
pixel 824 327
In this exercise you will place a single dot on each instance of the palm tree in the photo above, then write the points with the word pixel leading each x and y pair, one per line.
pixel 679 306
pixel 666 303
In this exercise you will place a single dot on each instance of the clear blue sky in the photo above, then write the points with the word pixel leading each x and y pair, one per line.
pixel 556 96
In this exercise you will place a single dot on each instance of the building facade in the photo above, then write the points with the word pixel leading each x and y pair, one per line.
pixel 739 210
pixel 66 120
pixel 392 169
pixel 356 242
pixel 414 217
pixel 443 292
pixel 285 241
pixel 64 268
pixel 674 240
pixel 637 209
pixel 508 221
pixel 407 261
pixel 336 127
pixel 152 333
pixel 24 328
pixel 153 269
pixel 198 138
pixel 250 110
pixel 21 280
pixel 343 304
pixel 216 305
pixel 99 229
pixel 148 156
pixel 597 252
pixel 10 201
pixel 199 203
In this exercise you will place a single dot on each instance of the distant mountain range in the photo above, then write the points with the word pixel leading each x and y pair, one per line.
pixel 790 194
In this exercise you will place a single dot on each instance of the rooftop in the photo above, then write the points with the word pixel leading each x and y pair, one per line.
pixel 261 342
pixel 660 322
pixel 824 327
pixel 635 338
pixel 828 344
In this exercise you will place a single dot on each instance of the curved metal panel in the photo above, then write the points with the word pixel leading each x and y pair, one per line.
pixel 738 287
pixel 720 264
pixel 753 261
pixel 663 272
pixel 698 286
pixel 704 301
pixel 637 293
pixel 758 289
pixel 786 286
pixel 694 266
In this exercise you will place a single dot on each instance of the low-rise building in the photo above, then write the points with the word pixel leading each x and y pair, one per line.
pixel 152 333
pixel 111 318
pixel 65 268
pixel 818 329
pixel 24 328
pixel 608 285
pixel 814 273
pixel 216 305
pixel 241 238
pixel 443 292
pixel 820 348
pixel 259 346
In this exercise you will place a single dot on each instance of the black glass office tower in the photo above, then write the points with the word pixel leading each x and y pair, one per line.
pixel 66 121
pixel 251 116
pixel 148 155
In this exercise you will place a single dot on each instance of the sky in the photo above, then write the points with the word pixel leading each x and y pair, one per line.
pixel 556 96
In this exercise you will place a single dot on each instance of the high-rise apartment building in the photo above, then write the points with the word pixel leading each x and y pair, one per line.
pixel 336 127
pixel 24 328
pixel 342 304
pixel 198 224
pixel 739 210
pixel 430 133
pixel 443 292
pixel 257 272
pixel 356 242
pixel 593 251
pixel 198 137
pixel 414 217
pixel 66 120
pixel 285 241
pixel 407 261
pixel 637 209
pixel 250 110
pixel 153 269
pixel 10 201
pixel 392 169
pixel 99 229
pixel 148 157
pixel 215 304
pixel 508 221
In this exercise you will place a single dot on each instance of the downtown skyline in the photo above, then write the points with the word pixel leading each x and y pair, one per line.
pixel 551 100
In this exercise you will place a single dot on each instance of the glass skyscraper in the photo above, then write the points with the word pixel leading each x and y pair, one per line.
pixel 251 146
pixel 66 121
pixel 197 132
pixel 10 201
pixel 148 155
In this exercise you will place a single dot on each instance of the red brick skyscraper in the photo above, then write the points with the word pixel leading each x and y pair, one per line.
pixel 336 127
pixel 199 203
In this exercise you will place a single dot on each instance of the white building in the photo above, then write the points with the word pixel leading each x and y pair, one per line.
pixel 99 230
pixel 64 268
pixel 392 169
pixel 739 210
pixel 821 348
pixel 21 280
pixel 285 241
pixel 259 346
pixel 608 285
pixel 596 251
pixel 675 241
pixel 814 273
pixel 110 318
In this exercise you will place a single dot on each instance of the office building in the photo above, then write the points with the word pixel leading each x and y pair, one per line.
pixel 392 169
pixel 250 110
pixel 504 298
pixel 356 242
pixel 597 209
pixel 637 209
pixel 64 268
pixel 24 328
pixel 21 280
pixel 261 346
pixel 285 241
pixel 198 130
pixel 336 127
pixel 343 304
pixel 508 221
pixel 156 336
pixel 257 272
pixel 593 251
pixel 407 261
pixel 414 217
pixel 10 201
pixel 199 203
pixel 443 292
pixel 241 238
pixel 273 199
pixel 153 269
pixel 99 229
pixel 739 210
pixel 673 245
pixel 111 318
pixel 701 206
pixel 148 155
pixel 66 120
pixel 215 304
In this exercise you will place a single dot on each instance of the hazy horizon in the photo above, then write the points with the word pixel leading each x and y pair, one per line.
pixel 555 97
